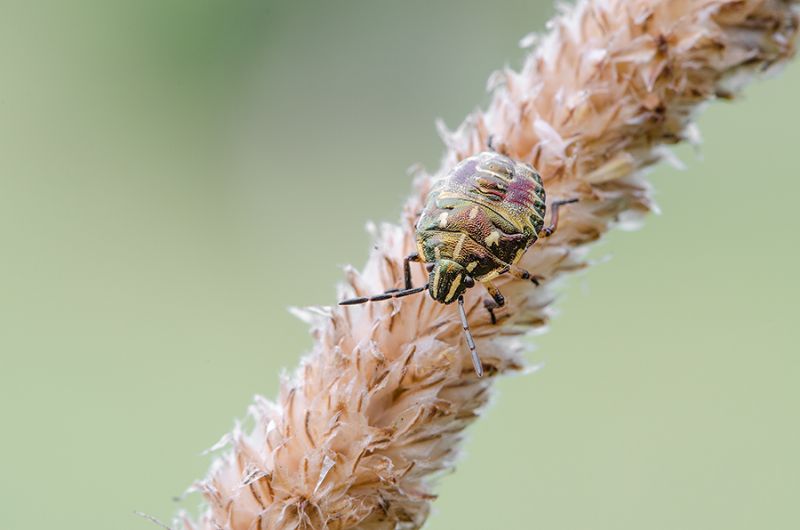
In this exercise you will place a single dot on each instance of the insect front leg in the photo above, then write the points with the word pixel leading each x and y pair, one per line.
pixel 550 230
pixel 521 274
pixel 497 300
pixel 407 268
pixel 517 272
pixel 392 293
pixel 406 272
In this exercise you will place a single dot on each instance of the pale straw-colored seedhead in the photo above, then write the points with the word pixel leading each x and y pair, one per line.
pixel 379 406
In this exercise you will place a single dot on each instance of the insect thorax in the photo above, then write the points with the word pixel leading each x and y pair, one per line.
pixel 485 213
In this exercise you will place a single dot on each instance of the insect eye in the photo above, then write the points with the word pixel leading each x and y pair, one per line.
pixel 469 281
pixel 429 267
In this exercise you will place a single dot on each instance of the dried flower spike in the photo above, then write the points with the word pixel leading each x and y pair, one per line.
pixel 379 406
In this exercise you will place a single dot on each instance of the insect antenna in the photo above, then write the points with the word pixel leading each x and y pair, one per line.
pixel 476 361
pixel 394 293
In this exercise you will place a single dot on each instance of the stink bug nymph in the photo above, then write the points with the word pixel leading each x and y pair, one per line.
pixel 477 223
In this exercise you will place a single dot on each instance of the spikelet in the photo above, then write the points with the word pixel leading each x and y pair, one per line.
pixel 379 407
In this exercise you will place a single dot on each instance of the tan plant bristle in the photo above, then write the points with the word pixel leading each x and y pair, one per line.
pixel 379 406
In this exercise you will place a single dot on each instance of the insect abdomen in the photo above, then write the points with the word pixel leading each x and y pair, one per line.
pixel 488 210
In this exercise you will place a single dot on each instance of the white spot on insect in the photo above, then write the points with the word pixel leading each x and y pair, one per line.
pixel 459 246
pixel 437 253
pixel 473 213
pixel 471 266
pixel 493 238
pixel 443 220
pixel 436 277
pixel 495 173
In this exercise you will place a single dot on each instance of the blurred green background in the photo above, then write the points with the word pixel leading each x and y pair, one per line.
pixel 174 174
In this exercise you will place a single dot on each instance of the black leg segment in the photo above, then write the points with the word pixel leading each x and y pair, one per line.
pixel 407 268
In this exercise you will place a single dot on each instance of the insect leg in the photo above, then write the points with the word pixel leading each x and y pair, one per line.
pixel 521 274
pixel 407 268
pixel 406 272
pixel 490 144
pixel 497 300
pixel 515 271
pixel 385 296
pixel 476 361
pixel 550 230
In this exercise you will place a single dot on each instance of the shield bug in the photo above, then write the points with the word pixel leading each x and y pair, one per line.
pixel 477 223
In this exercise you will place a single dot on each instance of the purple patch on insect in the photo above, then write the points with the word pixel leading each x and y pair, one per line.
pixel 521 191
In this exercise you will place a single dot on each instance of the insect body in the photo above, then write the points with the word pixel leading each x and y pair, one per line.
pixel 477 224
